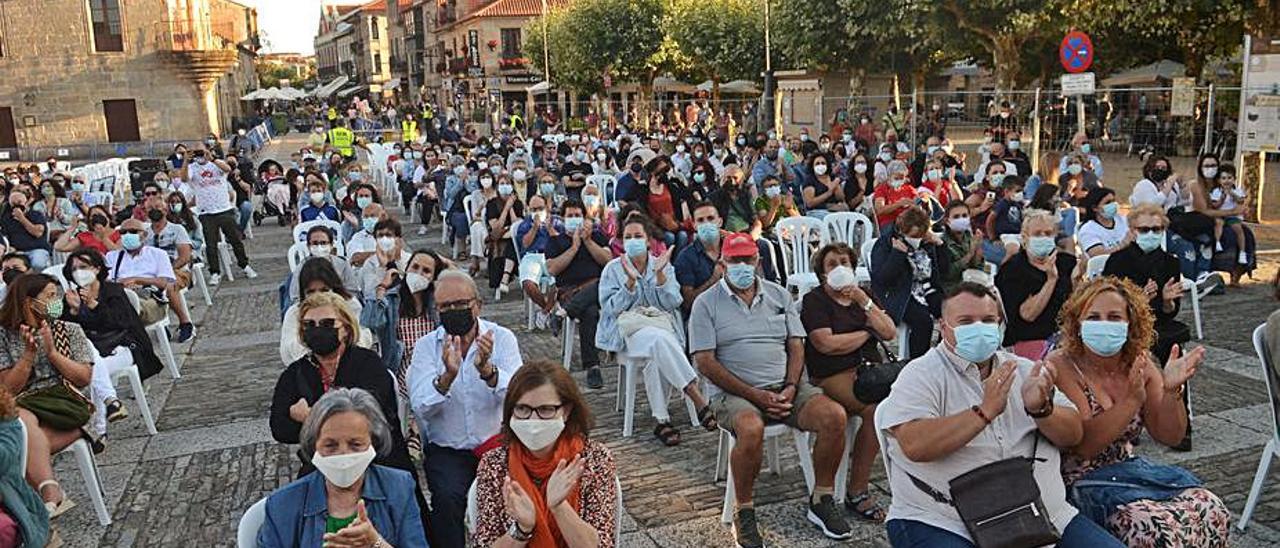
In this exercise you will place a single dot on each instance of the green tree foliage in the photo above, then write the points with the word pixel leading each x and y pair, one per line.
pixel 813 35
pixel 723 39
pixel 591 38
pixel 1191 31
pixel 1009 32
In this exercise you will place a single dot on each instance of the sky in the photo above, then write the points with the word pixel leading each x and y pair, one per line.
pixel 288 25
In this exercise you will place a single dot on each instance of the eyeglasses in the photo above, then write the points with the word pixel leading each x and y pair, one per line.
pixel 151 193
pixel 323 322
pixel 1148 229
pixel 454 305
pixel 522 411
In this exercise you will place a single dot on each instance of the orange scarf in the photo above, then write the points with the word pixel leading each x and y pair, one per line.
pixel 524 468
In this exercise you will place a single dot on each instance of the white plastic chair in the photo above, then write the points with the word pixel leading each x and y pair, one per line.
pixel 863 272
pixel 469 207
pixel 797 236
pixel 135 384
pixel 300 231
pixel 608 186
pixel 629 366
pixel 56 272
pixel 842 472
pixel 297 254
pixel 1095 266
pixel 250 523
pixel 198 279
pixel 226 256
pixel 568 332
pixel 849 227
pixel 89 470
pixel 159 332
pixel 1272 451
pixel 772 433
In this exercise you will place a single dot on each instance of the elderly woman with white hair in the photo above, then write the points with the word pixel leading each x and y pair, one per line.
pixel 893 194
pixel 350 502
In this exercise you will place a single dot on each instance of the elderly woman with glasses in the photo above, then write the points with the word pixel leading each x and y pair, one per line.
pixel 548 484
pixel 349 502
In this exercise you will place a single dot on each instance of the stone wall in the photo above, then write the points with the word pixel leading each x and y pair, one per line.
pixel 52 73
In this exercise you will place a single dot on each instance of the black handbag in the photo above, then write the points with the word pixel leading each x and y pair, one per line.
pixel 875 378
pixel 1000 503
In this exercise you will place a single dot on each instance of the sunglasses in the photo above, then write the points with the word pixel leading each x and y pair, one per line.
pixel 1148 229
pixel 130 231
pixel 151 193
pixel 323 322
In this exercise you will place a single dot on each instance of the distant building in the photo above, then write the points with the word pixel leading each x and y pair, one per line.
pixel 299 67
pixel 79 72
pixel 352 41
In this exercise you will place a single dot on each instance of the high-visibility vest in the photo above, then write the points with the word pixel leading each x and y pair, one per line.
pixel 409 130
pixel 428 113
pixel 514 121
pixel 333 114
pixel 341 138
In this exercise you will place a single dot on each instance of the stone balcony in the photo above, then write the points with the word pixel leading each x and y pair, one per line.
pixel 202 50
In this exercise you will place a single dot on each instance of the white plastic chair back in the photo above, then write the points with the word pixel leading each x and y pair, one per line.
pixel 1095 266
pixel 22 451
pixel 470 205
pixel 133 300
pixel 298 254
pixel 797 235
pixel 849 227
pixel 300 231
pixel 250 523
pixel 865 256
pixel 607 184
pixel 56 272
pixel 1271 373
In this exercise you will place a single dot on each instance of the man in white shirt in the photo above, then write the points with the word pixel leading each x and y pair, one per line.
pixel 173 239
pixel 963 405
pixel 457 381
pixel 215 205
pixel 141 268
pixel 363 244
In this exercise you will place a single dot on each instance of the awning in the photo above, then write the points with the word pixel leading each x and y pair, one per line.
pixel 540 87
pixel 392 83
pixel 746 87
pixel 328 89
pixel 663 83
pixel 351 90
pixel 1154 73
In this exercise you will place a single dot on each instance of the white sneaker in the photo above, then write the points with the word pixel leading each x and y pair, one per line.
pixel 1243 258
pixel 214 279
pixel 422 230
pixel 249 273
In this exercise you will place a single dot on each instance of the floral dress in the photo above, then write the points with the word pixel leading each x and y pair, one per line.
pixel 1196 517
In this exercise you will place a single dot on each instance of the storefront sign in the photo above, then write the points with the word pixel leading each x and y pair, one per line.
pixel 524 79
pixel 473 48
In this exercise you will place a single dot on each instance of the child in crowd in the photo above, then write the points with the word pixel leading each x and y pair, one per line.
pixel 1224 195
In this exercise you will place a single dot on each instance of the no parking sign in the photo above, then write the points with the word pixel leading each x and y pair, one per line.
pixel 1076 52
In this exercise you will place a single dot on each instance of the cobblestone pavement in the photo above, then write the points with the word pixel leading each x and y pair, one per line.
pixel 214 456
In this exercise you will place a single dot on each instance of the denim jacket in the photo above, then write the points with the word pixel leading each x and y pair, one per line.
pixel 1099 492
pixel 381 317
pixel 296 512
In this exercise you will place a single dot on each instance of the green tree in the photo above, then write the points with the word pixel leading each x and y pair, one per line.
pixel 589 39
pixel 1004 30
pixel 813 34
pixel 724 39
pixel 1191 31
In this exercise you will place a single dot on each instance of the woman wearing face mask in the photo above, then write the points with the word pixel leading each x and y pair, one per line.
pixel 1105 230
pixel 595 209
pixel 858 183
pixel 548 484
pixel 480 240
pixel 364 504
pixel 844 323
pixel 1235 256
pixel 1033 284
pixel 46 362
pixel 501 212
pixel 602 162
pixel 94 231
pixel 315 276
pixel 907 264
pixel 102 309
pixel 893 194
pixel 1077 179
pixel 180 213
pixel 940 183
pixel 1104 368
pixel 822 192
pixel 639 303
pixel 55 206
pixel 962 244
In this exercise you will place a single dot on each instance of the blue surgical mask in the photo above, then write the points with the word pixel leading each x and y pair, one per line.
pixel 363 201
pixel 572 224
pixel 1109 211
pixel 131 241
pixel 741 275
pixel 977 341
pixel 547 188
pixel 1150 241
pixel 708 233
pixel 504 189
pixel 368 223
pixel 591 200
pixel 1040 246
pixel 1086 148
pixel 635 247
pixel 1104 338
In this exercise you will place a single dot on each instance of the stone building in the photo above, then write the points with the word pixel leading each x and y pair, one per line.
pixel 83 72
pixel 353 41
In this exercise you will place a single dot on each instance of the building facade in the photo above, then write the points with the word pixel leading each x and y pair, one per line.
pixel 354 41
pixel 120 71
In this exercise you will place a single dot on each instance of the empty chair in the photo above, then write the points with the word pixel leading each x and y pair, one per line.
pixel 799 237
pixel 1271 374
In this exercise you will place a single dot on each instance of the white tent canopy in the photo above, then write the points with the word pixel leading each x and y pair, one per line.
pixel 1158 71
pixel 273 94
pixel 745 87
pixel 540 87
pixel 328 89
pixel 663 83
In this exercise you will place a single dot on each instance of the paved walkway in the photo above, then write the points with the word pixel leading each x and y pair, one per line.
pixel 214 456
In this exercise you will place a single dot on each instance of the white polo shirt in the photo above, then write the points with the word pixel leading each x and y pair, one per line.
pixel 149 262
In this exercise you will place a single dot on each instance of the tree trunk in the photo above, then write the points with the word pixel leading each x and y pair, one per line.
pixel 1008 64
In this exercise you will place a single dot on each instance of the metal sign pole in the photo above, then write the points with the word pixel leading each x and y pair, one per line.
pixel 1208 125
pixel 1035 142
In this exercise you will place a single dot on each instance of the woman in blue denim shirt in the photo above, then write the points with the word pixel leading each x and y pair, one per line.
pixel 1103 365
pixel 345 501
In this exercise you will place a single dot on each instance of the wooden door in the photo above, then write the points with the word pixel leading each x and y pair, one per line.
pixel 122 120
pixel 8 137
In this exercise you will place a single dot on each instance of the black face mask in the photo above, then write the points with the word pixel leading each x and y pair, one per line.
pixel 635 168
pixel 321 340
pixel 10 275
pixel 1159 175
pixel 155 215
pixel 457 322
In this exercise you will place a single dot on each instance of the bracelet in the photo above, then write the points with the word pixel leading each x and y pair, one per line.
pixel 517 534
pixel 978 410
pixel 1041 413
pixel 490 376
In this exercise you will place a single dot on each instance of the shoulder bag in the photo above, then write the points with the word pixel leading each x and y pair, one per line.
pixel 877 373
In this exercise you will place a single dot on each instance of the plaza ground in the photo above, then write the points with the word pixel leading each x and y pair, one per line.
pixel 214 456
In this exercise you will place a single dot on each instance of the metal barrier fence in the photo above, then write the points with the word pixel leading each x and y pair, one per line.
pixel 254 139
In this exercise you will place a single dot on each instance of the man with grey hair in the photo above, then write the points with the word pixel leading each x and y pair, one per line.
pixel 457 381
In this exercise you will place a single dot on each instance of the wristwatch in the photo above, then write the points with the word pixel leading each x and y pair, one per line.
pixel 869 306
pixel 518 534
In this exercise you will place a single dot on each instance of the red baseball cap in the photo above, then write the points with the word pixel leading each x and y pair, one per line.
pixel 738 244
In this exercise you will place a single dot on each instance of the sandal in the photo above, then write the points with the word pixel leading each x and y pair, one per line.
pixel 871 513
pixel 667 434
pixel 60 507
pixel 707 418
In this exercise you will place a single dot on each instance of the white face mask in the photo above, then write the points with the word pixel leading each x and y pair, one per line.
pixel 343 470
pixel 317 198
pixel 386 243
pixel 486 182
pixel 820 169
pixel 537 434
pixel 83 277
pixel 416 282
pixel 320 250
pixel 841 277
pixel 860 167
pixel 518 175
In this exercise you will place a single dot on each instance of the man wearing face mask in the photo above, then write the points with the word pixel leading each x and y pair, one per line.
pixel 947 404
pixel 747 339
pixel 573 175
pixel 26 229
pixel 363 244
pixel 217 212
pixel 770 164
pixel 320 245
pixel 144 269
pixel 1080 143
pixel 576 257
pixel 458 379
pixel 698 265
pixel 174 240
pixel 629 184
pixel 1034 284
pixel 12 266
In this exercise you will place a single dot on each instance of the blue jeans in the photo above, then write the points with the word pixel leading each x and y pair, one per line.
pixel 449 472
pixel 1080 533
pixel 246 213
